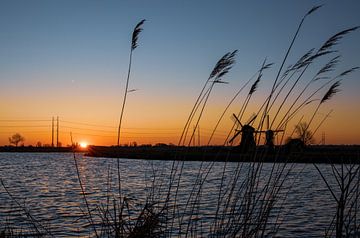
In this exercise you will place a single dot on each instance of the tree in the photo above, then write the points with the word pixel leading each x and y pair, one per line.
pixel 16 139
pixel 304 134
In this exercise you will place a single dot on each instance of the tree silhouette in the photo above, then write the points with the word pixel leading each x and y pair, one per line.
pixel 16 139
pixel 304 134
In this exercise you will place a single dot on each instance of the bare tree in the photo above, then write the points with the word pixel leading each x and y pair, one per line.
pixel 304 134
pixel 16 139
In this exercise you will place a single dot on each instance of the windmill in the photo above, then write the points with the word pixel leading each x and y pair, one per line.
pixel 269 134
pixel 247 134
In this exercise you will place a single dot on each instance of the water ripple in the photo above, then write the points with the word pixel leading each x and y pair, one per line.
pixel 48 187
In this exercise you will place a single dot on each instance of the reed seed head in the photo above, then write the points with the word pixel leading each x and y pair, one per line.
pixel 331 92
pixel 136 33
pixel 330 66
pixel 334 40
pixel 346 72
pixel 223 66
pixel 304 60
pixel 313 10
pixel 255 85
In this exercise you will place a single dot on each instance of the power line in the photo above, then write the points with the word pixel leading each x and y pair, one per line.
pixel 24 126
pixel 87 129
pixel 125 132
pixel 82 128
pixel 86 134
pixel 90 124
pixel 104 131
pixel 22 120
pixel 87 124
pixel 25 132
pixel 114 127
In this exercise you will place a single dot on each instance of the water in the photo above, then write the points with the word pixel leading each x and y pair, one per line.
pixel 46 187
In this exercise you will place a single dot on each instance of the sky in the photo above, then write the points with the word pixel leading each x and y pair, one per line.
pixel 69 59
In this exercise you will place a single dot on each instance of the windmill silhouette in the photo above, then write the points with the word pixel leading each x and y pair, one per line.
pixel 269 134
pixel 247 142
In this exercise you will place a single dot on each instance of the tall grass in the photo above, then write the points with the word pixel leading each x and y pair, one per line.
pixel 251 205
pixel 36 228
pixel 134 45
pixel 345 192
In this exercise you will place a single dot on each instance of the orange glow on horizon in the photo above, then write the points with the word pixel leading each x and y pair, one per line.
pixel 83 144
pixel 157 121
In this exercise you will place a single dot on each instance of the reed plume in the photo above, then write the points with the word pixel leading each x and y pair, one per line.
pixel 313 9
pixel 331 92
pixel 223 65
pixel 325 49
pixel 346 72
pixel 136 33
pixel 294 69
pixel 310 99
pixel 255 85
pixel 330 66
pixel 221 68
pixel 334 40
pixel 328 95
pixel 303 59
pixel 134 44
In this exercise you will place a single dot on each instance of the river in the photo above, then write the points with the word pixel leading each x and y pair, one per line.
pixel 45 187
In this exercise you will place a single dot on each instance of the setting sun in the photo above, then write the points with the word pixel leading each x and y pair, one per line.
pixel 83 144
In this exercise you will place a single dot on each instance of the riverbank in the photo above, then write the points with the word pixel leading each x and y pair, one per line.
pixel 310 154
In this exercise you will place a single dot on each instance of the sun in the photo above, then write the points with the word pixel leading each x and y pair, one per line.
pixel 83 145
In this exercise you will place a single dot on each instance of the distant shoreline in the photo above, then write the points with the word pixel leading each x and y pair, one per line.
pixel 310 154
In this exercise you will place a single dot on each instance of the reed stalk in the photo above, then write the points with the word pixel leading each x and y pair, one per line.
pixel 39 229
pixel 220 70
pixel 265 112
pixel 134 44
pixel 326 68
pixel 264 66
pixel 309 99
pixel 82 190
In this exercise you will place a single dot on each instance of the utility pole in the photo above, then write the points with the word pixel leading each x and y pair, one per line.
pixel 199 135
pixel 52 132
pixel 57 131
pixel 323 138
